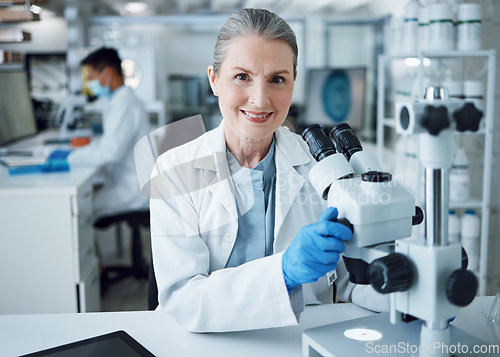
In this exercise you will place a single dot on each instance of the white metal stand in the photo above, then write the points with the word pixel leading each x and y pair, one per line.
pixel 484 202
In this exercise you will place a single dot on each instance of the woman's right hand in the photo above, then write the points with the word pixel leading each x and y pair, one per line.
pixel 315 250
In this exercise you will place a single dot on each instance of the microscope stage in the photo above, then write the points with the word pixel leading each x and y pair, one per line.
pixel 376 336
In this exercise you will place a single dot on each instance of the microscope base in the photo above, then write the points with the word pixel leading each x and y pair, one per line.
pixel 401 339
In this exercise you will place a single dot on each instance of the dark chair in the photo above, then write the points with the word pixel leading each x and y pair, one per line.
pixel 152 288
pixel 139 269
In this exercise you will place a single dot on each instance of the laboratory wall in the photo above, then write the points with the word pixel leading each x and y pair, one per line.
pixel 182 50
pixel 342 54
pixel 179 49
pixel 186 49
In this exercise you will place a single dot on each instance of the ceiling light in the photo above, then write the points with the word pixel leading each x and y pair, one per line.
pixel 136 7
pixel 412 62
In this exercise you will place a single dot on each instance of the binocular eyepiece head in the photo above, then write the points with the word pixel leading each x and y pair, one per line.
pixel 322 146
pixel 346 141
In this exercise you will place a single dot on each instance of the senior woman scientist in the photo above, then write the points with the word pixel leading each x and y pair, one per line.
pixel 240 238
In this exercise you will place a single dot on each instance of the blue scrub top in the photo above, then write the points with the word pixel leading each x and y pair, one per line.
pixel 255 195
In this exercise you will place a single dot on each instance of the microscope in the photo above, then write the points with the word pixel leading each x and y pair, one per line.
pixel 436 281
pixel 69 113
pixel 377 208
pixel 426 276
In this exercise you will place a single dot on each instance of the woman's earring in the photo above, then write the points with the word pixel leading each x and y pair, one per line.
pixel 216 94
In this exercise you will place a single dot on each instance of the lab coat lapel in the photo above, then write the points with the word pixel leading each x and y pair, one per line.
pixel 212 158
pixel 289 153
pixel 289 182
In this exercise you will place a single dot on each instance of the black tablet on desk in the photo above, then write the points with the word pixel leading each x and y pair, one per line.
pixel 118 343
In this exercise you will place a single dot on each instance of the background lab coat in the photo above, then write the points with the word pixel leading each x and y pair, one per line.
pixel 194 224
pixel 124 124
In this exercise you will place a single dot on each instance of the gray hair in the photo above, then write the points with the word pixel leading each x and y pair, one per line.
pixel 260 22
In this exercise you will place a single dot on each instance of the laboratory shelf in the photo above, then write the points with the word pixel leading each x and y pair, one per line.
pixel 486 130
pixel 11 66
pixel 389 122
pixel 479 132
pixel 457 54
pixel 472 203
pixel 440 54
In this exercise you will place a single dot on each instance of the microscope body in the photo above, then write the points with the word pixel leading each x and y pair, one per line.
pixel 426 276
pixel 440 284
pixel 69 111
pixel 378 208
pixel 380 212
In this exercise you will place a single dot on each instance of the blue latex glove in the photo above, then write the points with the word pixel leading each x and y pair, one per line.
pixel 51 165
pixel 56 162
pixel 55 165
pixel 315 250
pixel 59 154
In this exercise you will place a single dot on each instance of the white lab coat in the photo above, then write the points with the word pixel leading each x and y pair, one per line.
pixel 124 124
pixel 194 223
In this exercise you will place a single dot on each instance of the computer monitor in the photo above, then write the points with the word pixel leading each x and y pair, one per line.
pixel 17 119
pixel 334 96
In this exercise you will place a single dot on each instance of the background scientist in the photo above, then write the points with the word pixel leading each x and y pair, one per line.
pixel 124 123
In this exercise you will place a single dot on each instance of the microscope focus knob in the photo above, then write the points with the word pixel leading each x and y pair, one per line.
pixel 461 287
pixel 376 176
pixel 391 273
pixel 468 118
pixel 435 119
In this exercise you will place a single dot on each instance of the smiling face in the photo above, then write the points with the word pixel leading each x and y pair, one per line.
pixel 254 85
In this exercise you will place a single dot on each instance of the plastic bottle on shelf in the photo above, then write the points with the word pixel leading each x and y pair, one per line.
pixel 404 91
pixel 423 28
pixel 455 87
pixel 469 27
pixel 395 40
pixel 428 80
pixel 474 92
pixel 454 13
pixel 441 30
pixel 470 229
pixel 410 32
pixel 453 227
pixel 459 177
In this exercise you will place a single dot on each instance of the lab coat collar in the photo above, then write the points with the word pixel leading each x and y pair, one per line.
pixel 289 154
pixel 113 93
pixel 212 157
pixel 212 150
pixel 215 142
pixel 290 147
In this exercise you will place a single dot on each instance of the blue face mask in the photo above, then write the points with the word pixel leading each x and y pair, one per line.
pixel 98 90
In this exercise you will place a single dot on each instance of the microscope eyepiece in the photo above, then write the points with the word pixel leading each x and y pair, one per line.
pixel 346 142
pixel 320 145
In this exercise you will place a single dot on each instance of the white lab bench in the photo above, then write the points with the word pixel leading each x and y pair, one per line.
pixel 162 336
pixel 47 255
